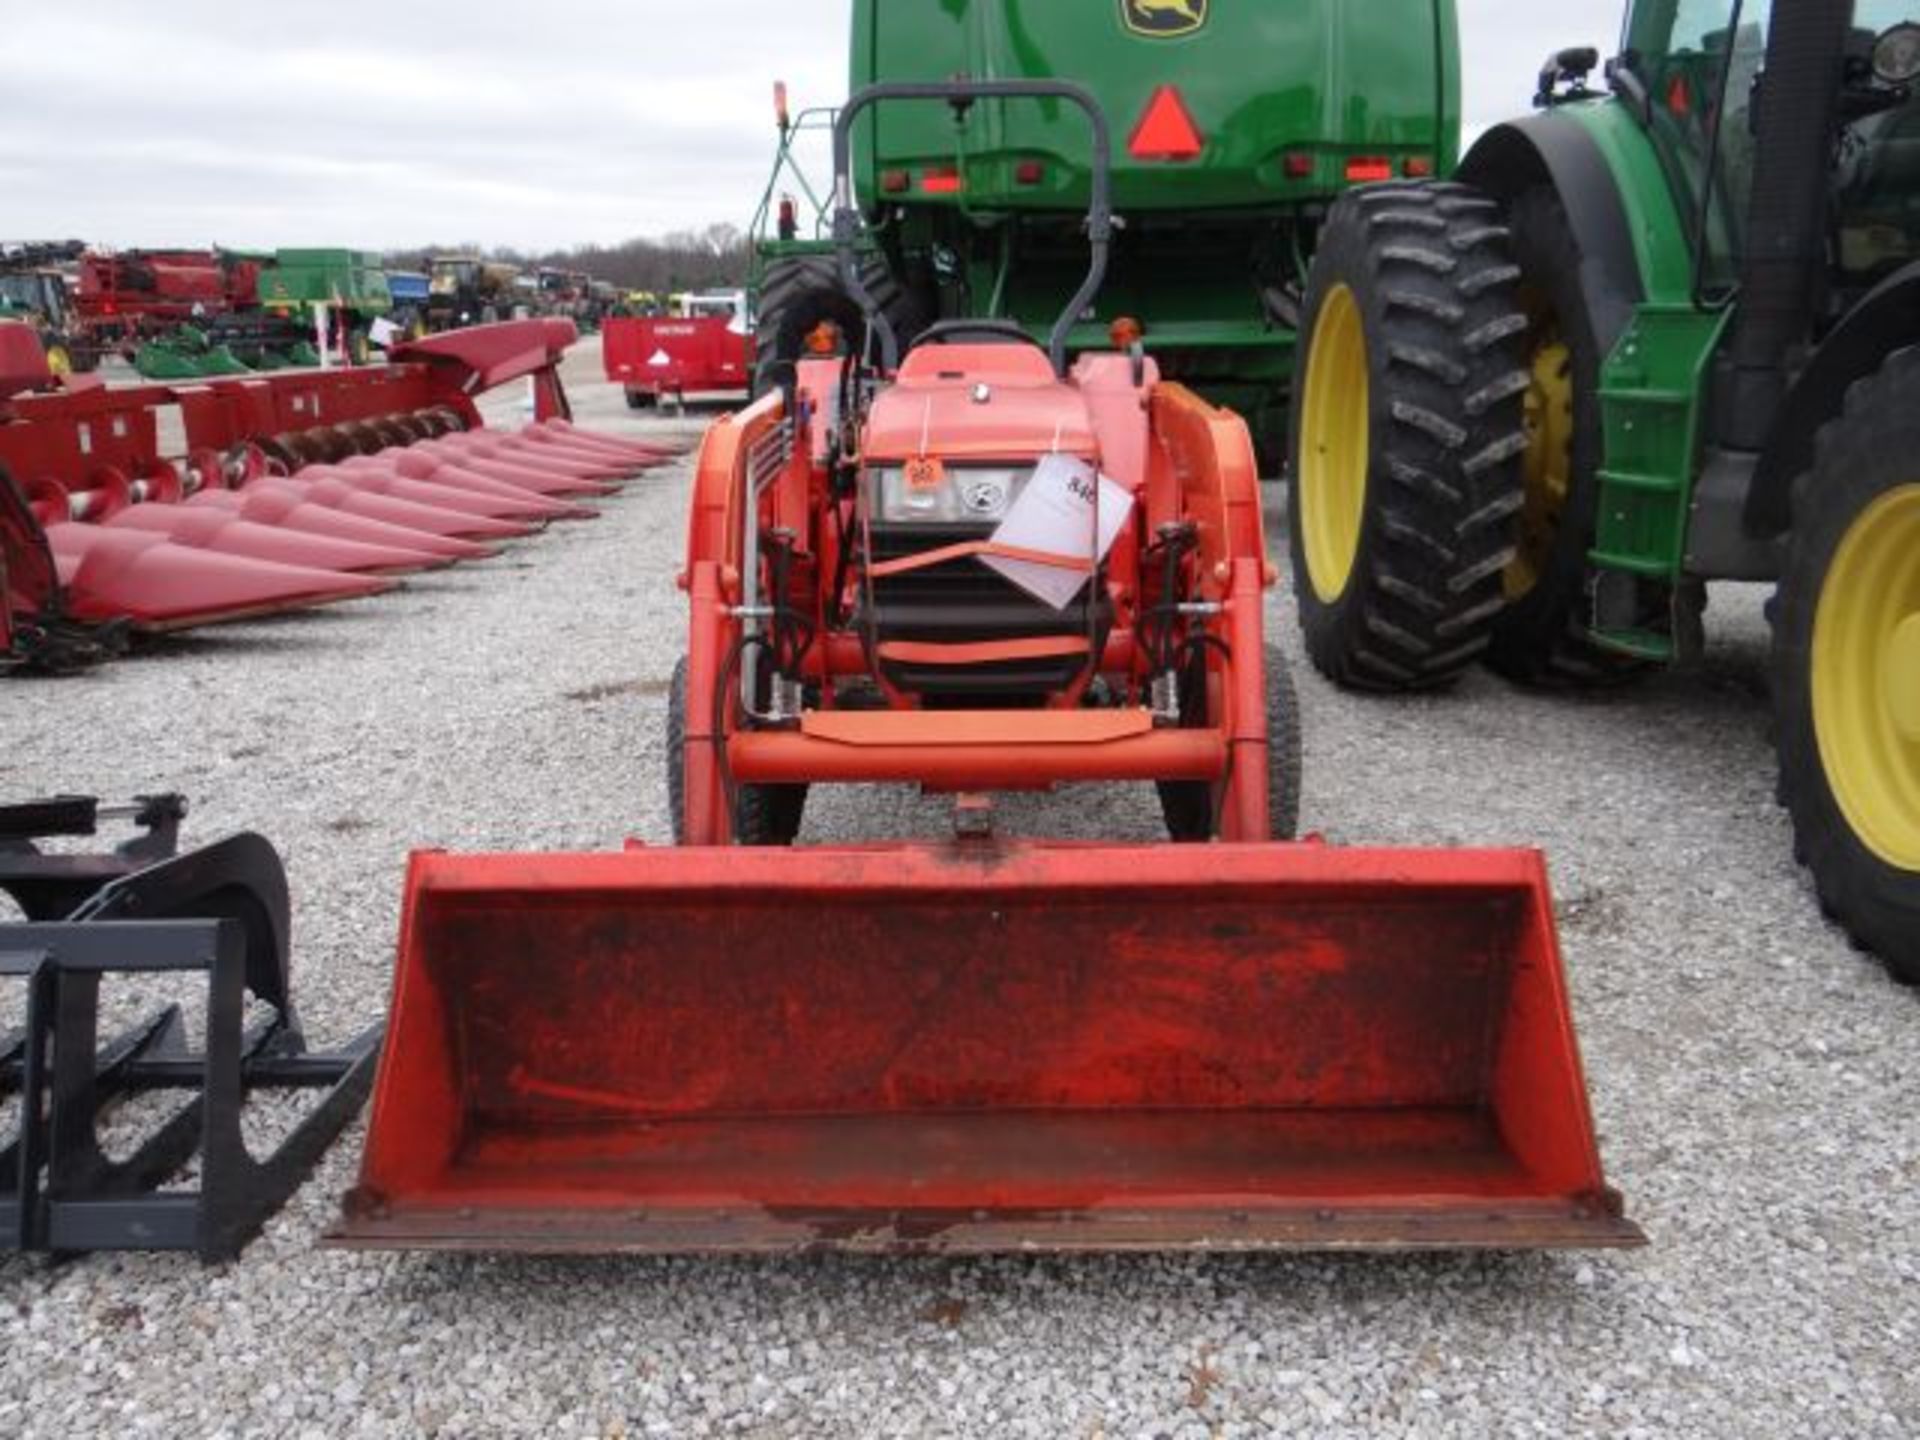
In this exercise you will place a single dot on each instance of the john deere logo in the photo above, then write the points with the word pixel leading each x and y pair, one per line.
pixel 1163 19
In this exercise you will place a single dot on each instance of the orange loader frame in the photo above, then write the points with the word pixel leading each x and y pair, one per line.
pixel 1198 466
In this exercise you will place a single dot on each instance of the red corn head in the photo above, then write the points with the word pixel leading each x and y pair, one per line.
pixel 618 463
pixel 266 505
pixel 208 529
pixel 479 446
pixel 527 476
pixel 909 1047
pixel 323 485
pixel 567 430
pixel 158 585
pixel 437 469
pixel 375 473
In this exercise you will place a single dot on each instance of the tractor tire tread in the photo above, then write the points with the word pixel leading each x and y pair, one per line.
pixel 763 814
pixel 1430 269
pixel 800 292
pixel 1542 640
pixel 1858 456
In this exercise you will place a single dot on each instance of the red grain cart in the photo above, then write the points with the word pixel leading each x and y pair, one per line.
pixel 707 348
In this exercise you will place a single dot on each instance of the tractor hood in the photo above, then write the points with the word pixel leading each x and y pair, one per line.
pixel 964 402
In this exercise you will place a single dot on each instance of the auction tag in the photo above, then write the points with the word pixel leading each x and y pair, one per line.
pixel 925 472
pixel 1067 509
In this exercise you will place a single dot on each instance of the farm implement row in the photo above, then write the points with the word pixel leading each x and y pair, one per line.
pixel 290 491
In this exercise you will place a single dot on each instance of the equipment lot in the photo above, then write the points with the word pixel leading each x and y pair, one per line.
pixel 1752 1077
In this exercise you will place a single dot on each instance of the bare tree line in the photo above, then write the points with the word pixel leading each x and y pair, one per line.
pixel 713 258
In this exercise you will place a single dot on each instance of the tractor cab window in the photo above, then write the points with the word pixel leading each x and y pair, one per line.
pixel 452 275
pixel 1697 61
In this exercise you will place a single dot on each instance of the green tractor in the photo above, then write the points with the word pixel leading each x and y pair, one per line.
pixel 1654 335
pixel 1236 125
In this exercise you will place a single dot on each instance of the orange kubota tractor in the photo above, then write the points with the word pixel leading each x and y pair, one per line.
pixel 975 569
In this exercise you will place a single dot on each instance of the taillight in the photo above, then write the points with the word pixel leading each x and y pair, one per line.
pixel 895 182
pixel 940 180
pixel 1297 165
pixel 1417 167
pixel 1029 172
pixel 1365 168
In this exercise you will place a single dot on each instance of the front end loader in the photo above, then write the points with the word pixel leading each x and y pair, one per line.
pixel 974 568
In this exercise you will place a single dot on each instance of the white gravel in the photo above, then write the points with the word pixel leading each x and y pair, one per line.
pixel 1753 1079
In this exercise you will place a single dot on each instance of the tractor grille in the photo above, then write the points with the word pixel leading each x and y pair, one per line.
pixel 964 601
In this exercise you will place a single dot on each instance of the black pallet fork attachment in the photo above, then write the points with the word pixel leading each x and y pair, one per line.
pixel 142 909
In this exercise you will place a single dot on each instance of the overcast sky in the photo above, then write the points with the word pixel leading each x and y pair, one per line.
pixel 315 122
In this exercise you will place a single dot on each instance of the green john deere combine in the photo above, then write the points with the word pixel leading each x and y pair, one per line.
pixel 1661 334
pixel 1236 124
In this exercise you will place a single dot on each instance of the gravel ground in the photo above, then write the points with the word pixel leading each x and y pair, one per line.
pixel 1748 1072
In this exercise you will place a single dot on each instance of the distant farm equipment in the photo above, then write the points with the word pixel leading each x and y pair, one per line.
pixel 702 344
pixel 465 290
pixel 182 314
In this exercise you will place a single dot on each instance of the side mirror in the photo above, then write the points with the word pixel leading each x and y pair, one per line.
pixel 1569 67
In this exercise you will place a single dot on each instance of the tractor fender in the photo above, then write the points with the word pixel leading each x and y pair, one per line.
pixel 1886 319
pixel 1556 149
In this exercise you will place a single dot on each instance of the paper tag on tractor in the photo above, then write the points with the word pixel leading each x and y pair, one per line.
pixel 1056 514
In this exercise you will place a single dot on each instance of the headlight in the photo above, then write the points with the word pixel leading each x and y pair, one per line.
pixel 976 494
pixel 1896 55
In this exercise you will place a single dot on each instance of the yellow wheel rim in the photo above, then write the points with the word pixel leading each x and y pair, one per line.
pixel 1548 463
pixel 1866 676
pixel 1331 493
pixel 59 362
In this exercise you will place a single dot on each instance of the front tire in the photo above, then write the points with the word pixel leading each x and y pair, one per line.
pixel 1191 808
pixel 1846 667
pixel 1407 435
pixel 762 814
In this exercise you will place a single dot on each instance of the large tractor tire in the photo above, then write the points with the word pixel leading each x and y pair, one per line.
pixel 1408 432
pixel 1542 637
pixel 1188 805
pixel 1846 667
pixel 800 294
pixel 762 815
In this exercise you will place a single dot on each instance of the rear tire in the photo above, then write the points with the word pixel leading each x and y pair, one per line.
pixel 1188 806
pixel 763 814
pixel 797 295
pixel 1846 653
pixel 1542 637
pixel 1407 434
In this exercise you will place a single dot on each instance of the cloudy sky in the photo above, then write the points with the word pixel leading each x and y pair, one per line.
pixel 130 122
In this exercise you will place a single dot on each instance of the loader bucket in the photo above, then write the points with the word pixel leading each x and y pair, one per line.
pixel 980 1048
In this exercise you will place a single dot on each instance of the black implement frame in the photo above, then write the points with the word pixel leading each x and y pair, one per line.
pixel 221 910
